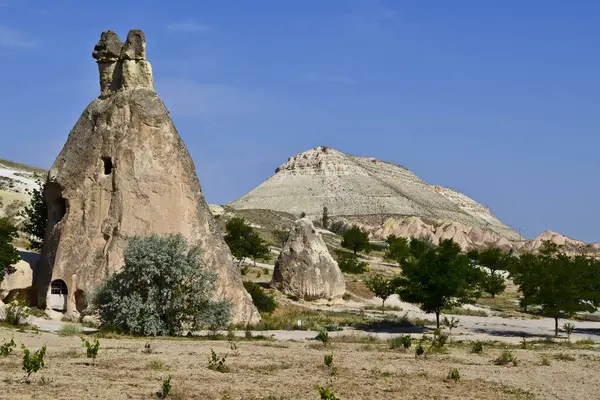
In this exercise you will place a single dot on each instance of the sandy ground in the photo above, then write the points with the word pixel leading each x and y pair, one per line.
pixel 291 370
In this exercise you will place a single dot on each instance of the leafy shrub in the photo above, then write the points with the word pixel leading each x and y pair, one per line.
pixel 328 360
pixel 91 349
pixel 7 348
pixel 263 301
pixel 404 341
pixel 33 362
pixel 70 330
pixel 477 348
pixel 323 337
pixel 327 394
pixel 569 328
pixel 217 364
pixel 454 375
pixel 139 299
pixel 350 263
pixel 16 313
pixel 419 351
pixel 440 338
pixel 166 388
pixel 450 323
pixel 506 358
pixel 156 365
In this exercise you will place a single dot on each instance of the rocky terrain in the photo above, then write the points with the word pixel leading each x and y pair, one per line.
pixel 356 186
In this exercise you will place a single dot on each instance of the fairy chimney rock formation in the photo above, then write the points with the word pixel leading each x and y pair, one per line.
pixel 305 268
pixel 122 65
pixel 124 171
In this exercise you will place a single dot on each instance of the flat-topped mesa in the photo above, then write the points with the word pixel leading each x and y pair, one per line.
pixel 122 65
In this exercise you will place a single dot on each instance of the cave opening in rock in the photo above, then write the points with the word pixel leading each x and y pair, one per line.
pixel 107 164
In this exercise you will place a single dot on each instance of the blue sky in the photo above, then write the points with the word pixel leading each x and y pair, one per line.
pixel 498 98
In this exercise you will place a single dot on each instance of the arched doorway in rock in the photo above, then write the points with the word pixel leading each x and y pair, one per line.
pixel 80 300
pixel 58 295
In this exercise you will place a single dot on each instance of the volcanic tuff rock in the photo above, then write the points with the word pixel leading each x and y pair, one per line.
pixel 350 185
pixel 125 171
pixel 305 268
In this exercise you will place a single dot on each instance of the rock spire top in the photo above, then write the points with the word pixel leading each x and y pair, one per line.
pixel 122 65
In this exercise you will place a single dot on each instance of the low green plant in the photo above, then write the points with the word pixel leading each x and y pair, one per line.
pixel 477 348
pixel 70 330
pixel 8 347
pixel 404 341
pixel 156 365
pixel 16 313
pixel 564 357
pixel 450 323
pixel 523 343
pixel 147 348
pixel 323 336
pixel 33 362
pixel 506 358
pixel 440 338
pixel 91 349
pixel 569 328
pixel 217 364
pixel 328 360
pixel 166 388
pixel 544 361
pixel 234 347
pixel 454 375
pixel 327 394
pixel 419 351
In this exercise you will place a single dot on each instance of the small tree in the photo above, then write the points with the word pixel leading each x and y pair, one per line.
pixel 36 217
pixel 33 362
pixel 325 218
pixel 356 239
pixel 398 249
pixel 8 253
pixel 163 289
pixel 438 277
pixel 244 242
pixel 382 287
pixel 495 260
pixel 559 284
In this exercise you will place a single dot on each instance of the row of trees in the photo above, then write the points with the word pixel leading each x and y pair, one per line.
pixel 439 277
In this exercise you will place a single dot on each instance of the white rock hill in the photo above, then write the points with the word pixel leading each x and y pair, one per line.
pixel 351 185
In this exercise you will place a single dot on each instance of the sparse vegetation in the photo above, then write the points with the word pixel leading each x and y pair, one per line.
pixel 327 394
pixel 166 388
pixel 36 217
pixel 350 263
pixel 70 330
pixel 477 348
pixel 33 362
pixel 16 313
pixel 323 337
pixel 569 328
pixel 381 286
pixel 328 360
pixel 217 364
pixel 263 301
pixel 506 358
pixel 91 349
pixel 404 341
pixel 8 347
pixel 454 375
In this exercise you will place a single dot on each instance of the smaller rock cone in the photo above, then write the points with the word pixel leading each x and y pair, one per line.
pixel 305 268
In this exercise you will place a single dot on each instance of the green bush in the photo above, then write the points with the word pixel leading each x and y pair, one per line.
pixel 323 337
pixel 506 358
pixel 350 263
pixel 91 348
pixel 7 348
pixel 454 375
pixel 166 388
pixel 404 341
pixel 263 301
pixel 16 313
pixel 328 360
pixel 569 328
pixel 477 348
pixel 70 330
pixel 217 364
pixel 327 394
pixel 140 298
pixel 33 362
